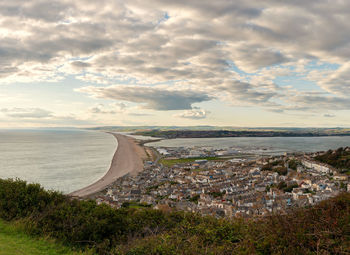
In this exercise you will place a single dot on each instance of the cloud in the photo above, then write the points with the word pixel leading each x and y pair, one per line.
pixel 140 114
pixel 37 10
pixel 80 64
pixel 195 114
pixel 233 51
pixel 99 109
pixel 108 109
pixel 237 92
pixel 160 99
pixel 26 113
pixel 338 82
pixel 251 57
pixel 320 101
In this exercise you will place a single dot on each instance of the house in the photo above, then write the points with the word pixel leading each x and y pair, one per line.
pixel 147 199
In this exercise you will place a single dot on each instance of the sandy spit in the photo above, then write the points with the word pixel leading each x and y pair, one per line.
pixel 128 158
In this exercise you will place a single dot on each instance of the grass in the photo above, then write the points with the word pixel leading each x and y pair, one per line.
pixel 14 241
pixel 199 170
pixel 134 204
pixel 171 162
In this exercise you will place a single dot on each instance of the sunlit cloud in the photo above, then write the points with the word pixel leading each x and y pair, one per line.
pixel 273 56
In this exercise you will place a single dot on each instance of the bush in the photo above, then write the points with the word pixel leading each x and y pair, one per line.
pixel 194 199
pixel 339 158
pixel 287 188
pixel 290 188
pixel 19 199
pixel 293 164
pixel 281 170
pixel 323 229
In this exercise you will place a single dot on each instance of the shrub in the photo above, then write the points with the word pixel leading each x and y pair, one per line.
pixel 19 199
pixel 293 164
pixel 323 229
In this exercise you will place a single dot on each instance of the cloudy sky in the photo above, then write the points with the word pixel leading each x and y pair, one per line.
pixel 165 62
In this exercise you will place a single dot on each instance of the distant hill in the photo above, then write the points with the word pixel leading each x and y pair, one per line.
pixel 169 134
pixel 144 128
pixel 225 131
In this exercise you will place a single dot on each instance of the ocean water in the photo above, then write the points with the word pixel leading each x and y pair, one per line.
pixel 67 160
pixel 63 160
pixel 261 145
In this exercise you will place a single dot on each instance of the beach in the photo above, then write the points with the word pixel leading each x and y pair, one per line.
pixel 128 158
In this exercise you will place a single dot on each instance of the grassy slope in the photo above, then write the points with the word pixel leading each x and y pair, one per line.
pixel 14 241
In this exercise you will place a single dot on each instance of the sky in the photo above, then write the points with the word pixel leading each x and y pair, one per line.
pixel 162 62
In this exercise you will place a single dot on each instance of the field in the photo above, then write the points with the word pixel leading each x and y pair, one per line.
pixel 14 241
pixel 171 162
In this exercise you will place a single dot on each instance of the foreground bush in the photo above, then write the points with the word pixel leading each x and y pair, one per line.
pixel 323 229
pixel 19 199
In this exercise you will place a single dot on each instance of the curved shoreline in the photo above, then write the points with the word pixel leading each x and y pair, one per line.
pixel 128 158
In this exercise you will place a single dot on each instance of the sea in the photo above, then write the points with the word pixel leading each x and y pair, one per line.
pixel 69 159
pixel 64 160
pixel 260 145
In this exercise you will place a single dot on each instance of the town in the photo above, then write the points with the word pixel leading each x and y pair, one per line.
pixel 219 183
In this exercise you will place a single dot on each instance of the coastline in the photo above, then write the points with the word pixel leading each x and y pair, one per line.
pixel 128 158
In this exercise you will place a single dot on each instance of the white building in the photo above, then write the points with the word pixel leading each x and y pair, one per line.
pixel 316 166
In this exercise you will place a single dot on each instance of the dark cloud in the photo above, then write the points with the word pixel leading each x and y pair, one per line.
pixel 49 11
pixel 80 64
pixel 239 91
pixel 160 99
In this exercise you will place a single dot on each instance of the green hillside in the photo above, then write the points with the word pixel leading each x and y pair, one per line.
pixel 322 229
pixel 13 241
pixel 339 159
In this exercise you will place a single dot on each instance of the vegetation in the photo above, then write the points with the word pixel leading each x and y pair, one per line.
pixel 323 229
pixel 281 170
pixel 276 166
pixel 269 166
pixel 171 162
pixel 135 204
pixel 155 187
pixel 339 158
pixel 14 241
pixel 293 164
pixel 216 194
pixel 194 199
pixel 143 129
pixel 287 187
